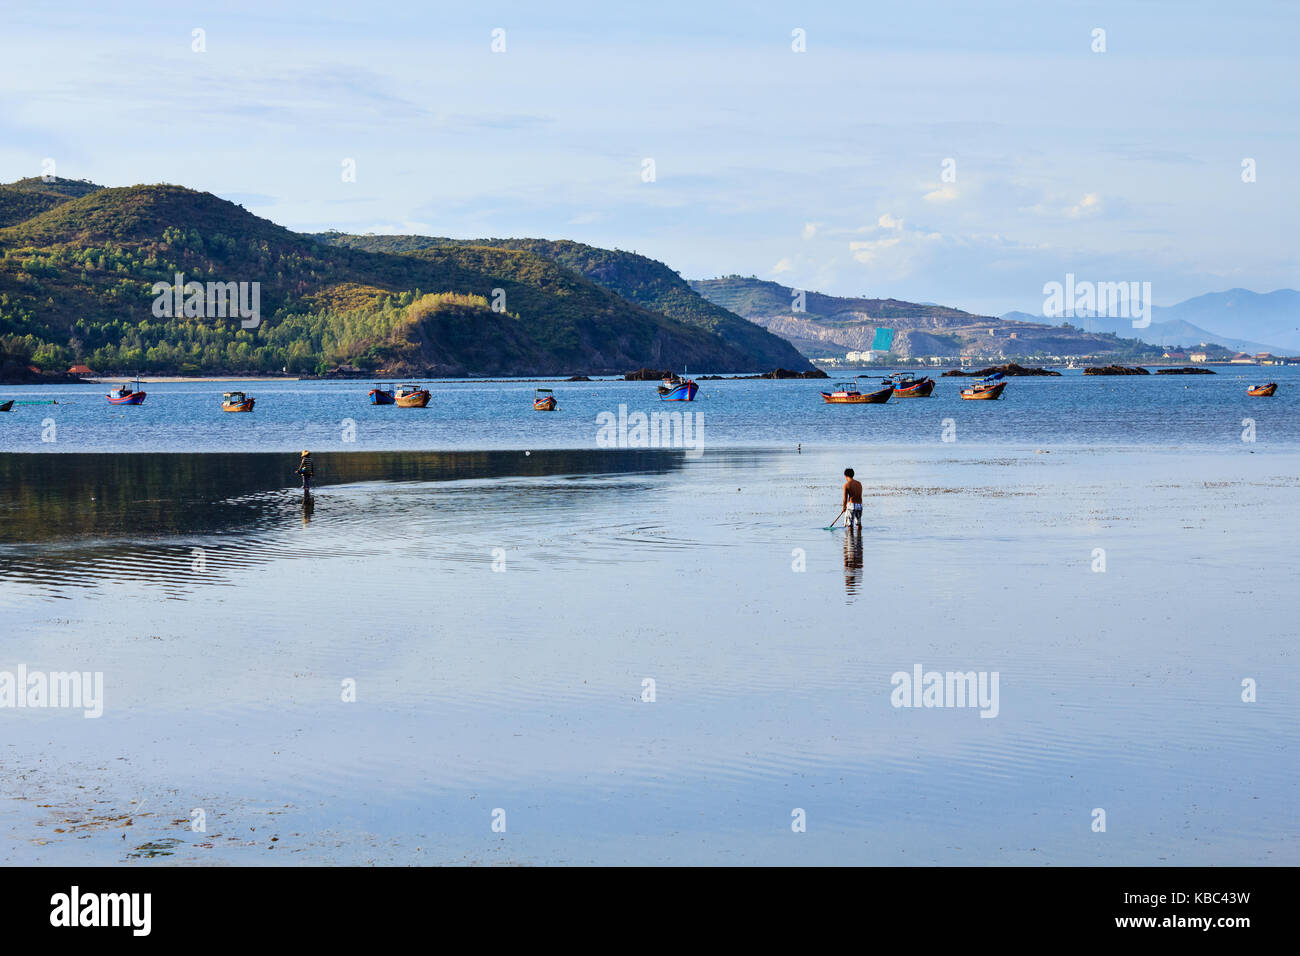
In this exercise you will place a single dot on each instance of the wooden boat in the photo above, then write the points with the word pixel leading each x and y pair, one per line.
pixel 678 390
pixel 544 401
pixel 908 386
pixel 236 402
pixel 984 391
pixel 847 393
pixel 382 394
pixel 412 396
pixel 7 406
pixel 124 394
pixel 1262 391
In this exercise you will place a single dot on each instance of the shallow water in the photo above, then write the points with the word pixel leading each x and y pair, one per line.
pixel 224 615
pixel 1158 410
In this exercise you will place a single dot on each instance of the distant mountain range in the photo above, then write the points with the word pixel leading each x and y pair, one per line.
pixel 833 325
pixel 1237 319
pixel 79 263
pixel 79 267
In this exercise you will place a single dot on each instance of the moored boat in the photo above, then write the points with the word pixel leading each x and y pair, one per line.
pixel 847 393
pixel 1262 391
pixel 909 386
pixel 678 390
pixel 124 394
pixel 236 402
pixel 6 406
pixel 989 389
pixel 382 394
pixel 411 396
pixel 544 401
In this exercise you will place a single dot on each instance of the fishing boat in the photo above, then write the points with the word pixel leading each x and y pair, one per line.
pixel 848 393
pixel 382 394
pixel 909 386
pixel 124 394
pixel 412 396
pixel 6 406
pixel 1262 391
pixel 544 401
pixel 236 402
pixel 987 389
pixel 677 390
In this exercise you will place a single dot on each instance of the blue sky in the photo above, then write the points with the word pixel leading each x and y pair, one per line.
pixel 820 169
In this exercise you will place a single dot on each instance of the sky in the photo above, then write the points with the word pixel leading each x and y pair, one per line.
pixel 959 153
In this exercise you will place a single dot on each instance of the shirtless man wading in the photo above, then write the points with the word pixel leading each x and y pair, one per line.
pixel 852 500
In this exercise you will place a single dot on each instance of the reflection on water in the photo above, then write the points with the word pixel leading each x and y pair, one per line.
pixel 501 613
pixel 852 557
pixel 47 498
pixel 72 520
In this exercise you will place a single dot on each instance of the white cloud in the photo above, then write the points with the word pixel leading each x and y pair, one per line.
pixel 945 193
pixel 868 251
pixel 1086 206
pixel 784 265
pixel 886 221
pixel 810 229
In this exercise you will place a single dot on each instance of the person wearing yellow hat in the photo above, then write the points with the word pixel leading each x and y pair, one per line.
pixel 305 469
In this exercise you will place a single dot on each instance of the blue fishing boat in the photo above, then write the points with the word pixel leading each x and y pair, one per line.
pixel 124 394
pixel 676 389
pixel 382 394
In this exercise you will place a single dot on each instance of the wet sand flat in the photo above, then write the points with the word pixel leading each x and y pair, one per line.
pixel 500 617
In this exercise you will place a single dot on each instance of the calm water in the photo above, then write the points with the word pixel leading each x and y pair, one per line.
pixel 500 613
pixel 1164 410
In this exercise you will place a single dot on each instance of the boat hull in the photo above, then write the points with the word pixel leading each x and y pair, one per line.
pixel 545 405
pixel 6 406
pixel 413 399
pixel 245 406
pixel 917 390
pixel 1262 391
pixel 685 392
pixel 984 394
pixel 858 398
pixel 135 398
pixel 380 397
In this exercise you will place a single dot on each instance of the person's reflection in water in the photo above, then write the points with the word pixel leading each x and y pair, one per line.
pixel 308 506
pixel 853 557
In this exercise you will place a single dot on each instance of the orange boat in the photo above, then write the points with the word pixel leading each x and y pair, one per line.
pixel 1262 391
pixel 847 393
pixel 236 402
pixel 984 391
pixel 412 396
pixel 544 401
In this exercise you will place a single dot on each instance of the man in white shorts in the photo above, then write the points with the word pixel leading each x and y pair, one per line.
pixel 852 498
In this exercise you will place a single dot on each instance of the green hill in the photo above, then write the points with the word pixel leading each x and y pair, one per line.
pixel 636 278
pixel 32 196
pixel 78 264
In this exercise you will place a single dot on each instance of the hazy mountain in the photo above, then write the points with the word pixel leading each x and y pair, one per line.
pixel 833 325
pixel 1218 314
pixel 1244 315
